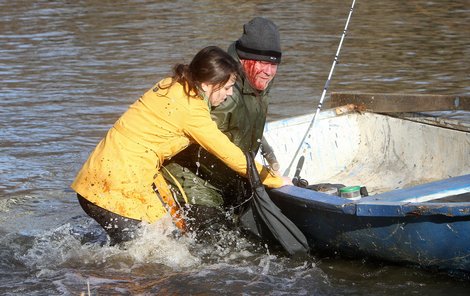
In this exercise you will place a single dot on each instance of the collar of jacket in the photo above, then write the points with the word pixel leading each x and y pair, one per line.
pixel 204 97
pixel 245 85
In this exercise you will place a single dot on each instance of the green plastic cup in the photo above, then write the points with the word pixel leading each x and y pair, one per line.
pixel 351 192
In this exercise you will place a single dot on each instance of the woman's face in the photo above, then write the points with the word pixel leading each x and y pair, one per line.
pixel 216 93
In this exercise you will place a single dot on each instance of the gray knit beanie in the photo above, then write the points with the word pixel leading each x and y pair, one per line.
pixel 260 41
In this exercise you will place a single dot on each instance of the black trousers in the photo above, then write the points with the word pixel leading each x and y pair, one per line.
pixel 120 229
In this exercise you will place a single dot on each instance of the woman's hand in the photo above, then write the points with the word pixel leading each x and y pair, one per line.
pixel 286 181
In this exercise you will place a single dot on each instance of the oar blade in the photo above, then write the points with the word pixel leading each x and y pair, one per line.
pixel 263 213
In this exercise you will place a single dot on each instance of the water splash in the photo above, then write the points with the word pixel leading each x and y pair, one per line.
pixel 69 246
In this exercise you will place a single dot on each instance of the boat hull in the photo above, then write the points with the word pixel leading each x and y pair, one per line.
pixel 418 211
pixel 432 241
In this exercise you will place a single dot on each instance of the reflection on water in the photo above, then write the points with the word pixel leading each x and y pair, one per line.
pixel 69 69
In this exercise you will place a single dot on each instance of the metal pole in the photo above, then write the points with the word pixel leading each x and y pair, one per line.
pixel 324 91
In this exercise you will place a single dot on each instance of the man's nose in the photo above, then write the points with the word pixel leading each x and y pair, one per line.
pixel 270 69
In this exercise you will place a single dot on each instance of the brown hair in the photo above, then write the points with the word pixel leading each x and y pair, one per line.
pixel 210 65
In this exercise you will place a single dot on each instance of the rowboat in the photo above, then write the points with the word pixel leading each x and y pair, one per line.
pixel 416 209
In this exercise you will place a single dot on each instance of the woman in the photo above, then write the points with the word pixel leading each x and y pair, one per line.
pixel 120 185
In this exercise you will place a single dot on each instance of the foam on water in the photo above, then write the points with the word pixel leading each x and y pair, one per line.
pixel 69 246
pixel 81 243
pixel 70 255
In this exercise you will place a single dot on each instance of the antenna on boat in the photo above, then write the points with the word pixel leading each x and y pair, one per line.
pixel 327 83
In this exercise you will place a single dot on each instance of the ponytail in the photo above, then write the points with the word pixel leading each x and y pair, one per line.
pixel 210 65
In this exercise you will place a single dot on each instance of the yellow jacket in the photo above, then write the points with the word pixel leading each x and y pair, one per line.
pixel 119 174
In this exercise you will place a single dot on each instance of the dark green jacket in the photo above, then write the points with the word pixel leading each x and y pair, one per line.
pixel 243 115
pixel 207 180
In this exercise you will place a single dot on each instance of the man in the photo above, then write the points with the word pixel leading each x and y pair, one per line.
pixel 205 179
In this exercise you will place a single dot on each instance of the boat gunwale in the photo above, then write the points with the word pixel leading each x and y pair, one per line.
pixel 377 206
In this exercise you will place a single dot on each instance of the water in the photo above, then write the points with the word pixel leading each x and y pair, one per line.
pixel 68 69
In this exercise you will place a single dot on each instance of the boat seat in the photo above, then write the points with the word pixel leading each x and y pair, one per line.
pixel 455 186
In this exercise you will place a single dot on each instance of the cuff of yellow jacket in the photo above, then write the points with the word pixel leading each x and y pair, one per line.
pixel 268 177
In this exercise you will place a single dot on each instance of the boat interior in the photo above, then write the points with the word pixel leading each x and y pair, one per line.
pixel 380 152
